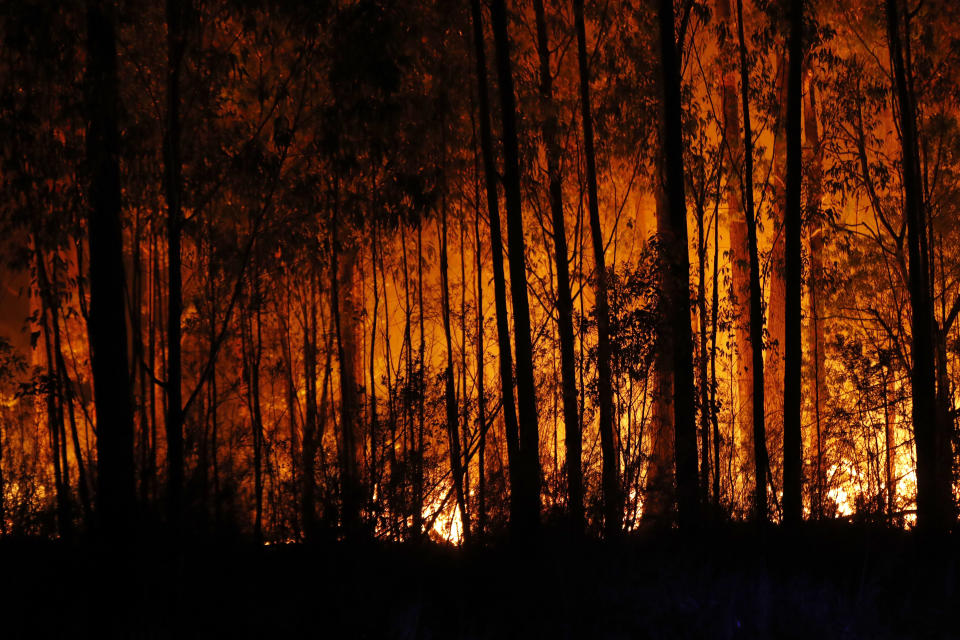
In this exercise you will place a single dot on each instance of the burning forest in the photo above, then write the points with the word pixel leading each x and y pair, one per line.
pixel 437 282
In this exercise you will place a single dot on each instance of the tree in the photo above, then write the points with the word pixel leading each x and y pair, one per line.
pixel 499 281
pixel 760 460
pixel 564 303
pixel 108 330
pixel 933 486
pixel 793 353
pixel 678 298
pixel 175 10
pixel 612 500
pixel 529 450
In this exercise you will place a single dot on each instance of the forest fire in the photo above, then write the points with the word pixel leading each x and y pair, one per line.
pixel 402 272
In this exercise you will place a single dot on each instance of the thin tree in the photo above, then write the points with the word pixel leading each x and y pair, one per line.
pixel 529 436
pixel 496 247
pixel 612 500
pixel 760 461
pixel 173 193
pixel 568 380
pixel 932 507
pixel 450 395
pixel 793 351
pixel 107 322
pixel 678 298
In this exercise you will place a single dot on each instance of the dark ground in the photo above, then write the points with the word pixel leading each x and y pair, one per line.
pixel 836 582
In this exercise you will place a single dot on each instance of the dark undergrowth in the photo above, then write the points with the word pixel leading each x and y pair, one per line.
pixel 835 581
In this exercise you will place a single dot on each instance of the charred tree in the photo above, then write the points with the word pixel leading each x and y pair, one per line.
pixel 173 193
pixel 793 352
pixel 527 482
pixel 933 487
pixel 760 461
pixel 107 322
pixel 450 394
pixel 678 298
pixel 511 426
pixel 612 500
pixel 564 303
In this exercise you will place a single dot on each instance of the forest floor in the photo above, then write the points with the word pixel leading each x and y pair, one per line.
pixel 840 581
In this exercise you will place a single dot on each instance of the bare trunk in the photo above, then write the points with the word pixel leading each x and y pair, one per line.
pixel 564 303
pixel 760 461
pixel 933 506
pixel 610 472
pixel 677 296
pixel 172 193
pixel 793 353
pixel 107 325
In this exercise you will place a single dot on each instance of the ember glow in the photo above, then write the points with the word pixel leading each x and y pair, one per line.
pixel 340 264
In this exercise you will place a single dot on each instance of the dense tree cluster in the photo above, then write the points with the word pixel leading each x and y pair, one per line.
pixel 393 268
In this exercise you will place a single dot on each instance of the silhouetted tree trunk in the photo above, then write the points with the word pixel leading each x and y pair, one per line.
pixel 375 467
pixel 571 415
pixel 421 390
pixel 450 395
pixel 283 314
pixel 173 192
pixel 815 340
pixel 481 383
pixel 107 324
pixel 344 313
pixel 612 500
pixel 714 314
pixel 760 461
pixel 703 386
pixel 933 512
pixel 529 439
pixel 793 352
pixel 54 398
pixel 678 298
pixel 153 337
pixel 511 426
pixel 253 345
pixel 416 527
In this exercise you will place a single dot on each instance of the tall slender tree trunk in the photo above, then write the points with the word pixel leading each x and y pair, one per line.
pixel 65 387
pixel 375 467
pixel 450 395
pixel 571 414
pixel 760 461
pixel 678 297
pixel 511 426
pixel 345 313
pixel 152 363
pixel 257 347
pixel 610 472
pixel 421 378
pixel 739 255
pixel 107 324
pixel 793 352
pixel 815 339
pixel 933 512
pixel 173 192
pixel 410 439
pixel 481 382
pixel 714 314
pixel 703 369
pixel 526 388
pixel 54 398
